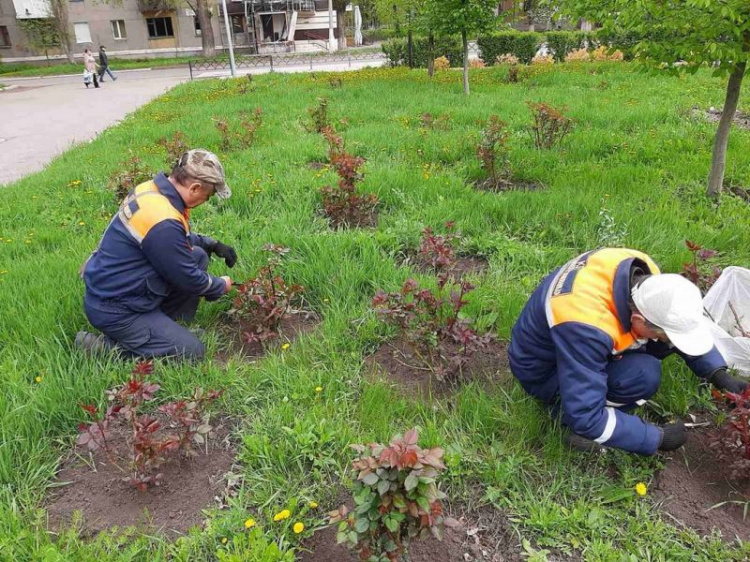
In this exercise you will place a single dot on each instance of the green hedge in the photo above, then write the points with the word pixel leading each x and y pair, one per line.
pixel 563 42
pixel 397 51
pixel 522 44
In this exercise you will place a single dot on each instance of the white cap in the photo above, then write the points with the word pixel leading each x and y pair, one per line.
pixel 675 305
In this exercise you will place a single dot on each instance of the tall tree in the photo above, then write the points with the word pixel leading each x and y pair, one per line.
pixel 467 17
pixel 684 36
pixel 203 12
pixel 340 7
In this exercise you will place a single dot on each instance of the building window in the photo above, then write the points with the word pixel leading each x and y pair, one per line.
pixel 159 27
pixel 118 29
pixel 238 23
pixel 83 34
pixel 4 37
pixel 197 24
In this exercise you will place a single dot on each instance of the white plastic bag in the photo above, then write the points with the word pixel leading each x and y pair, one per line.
pixel 733 286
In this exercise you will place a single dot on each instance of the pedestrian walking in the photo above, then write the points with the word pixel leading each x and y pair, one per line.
pixel 104 65
pixel 89 72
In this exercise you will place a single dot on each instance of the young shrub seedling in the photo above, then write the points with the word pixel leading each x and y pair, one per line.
pixel 245 137
pixel 174 147
pixel 319 116
pixel 343 204
pixel 149 439
pixel 396 498
pixel 262 301
pixel 493 152
pixel 700 271
pixel 733 442
pixel 550 126
pixel 437 250
pixel 130 173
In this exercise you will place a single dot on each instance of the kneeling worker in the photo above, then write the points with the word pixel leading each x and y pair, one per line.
pixel 591 339
pixel 150 270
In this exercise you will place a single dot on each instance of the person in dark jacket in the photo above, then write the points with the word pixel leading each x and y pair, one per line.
pixel 590 341
pixel 104 65
pixel 149 269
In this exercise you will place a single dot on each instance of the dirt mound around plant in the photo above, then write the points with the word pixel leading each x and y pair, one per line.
pixel 510 185
pixel 694 481
pixel 483 535
pixel 293 325
pixel 94 486
pixel 464 265
pixel 397 363
pixel 741 119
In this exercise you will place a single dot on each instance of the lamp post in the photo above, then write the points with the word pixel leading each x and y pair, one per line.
pixel 232 67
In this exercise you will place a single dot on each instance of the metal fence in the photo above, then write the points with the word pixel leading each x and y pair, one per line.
pixel 273 61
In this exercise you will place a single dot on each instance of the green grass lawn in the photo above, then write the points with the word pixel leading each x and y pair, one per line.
pixel 637 155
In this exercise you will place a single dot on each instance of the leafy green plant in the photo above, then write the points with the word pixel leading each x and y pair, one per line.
pixel 396 499
pixel 147 445
pixel 263 301
pixel 522 44
pixel 550 126
pixel 320 120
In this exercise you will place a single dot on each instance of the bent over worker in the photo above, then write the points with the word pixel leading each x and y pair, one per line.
pixel 150 270
pixel 590 341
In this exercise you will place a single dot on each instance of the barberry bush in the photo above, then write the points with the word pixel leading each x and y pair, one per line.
pixel 437 251
pixel 396 499
pixel 174 147
pixel 244 136
pixel 129 174
pixel 550 125
pixel 319 117
pixel 343 204
pixel 493 151
pixel 263 301
pixel 700 270
pixel 733 440
pixel 150 439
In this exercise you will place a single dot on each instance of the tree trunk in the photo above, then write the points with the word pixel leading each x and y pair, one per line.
pixel 208 41
pixel 340 19
pixel 58 11
pixel 719 158
pixel 410 48
pixel 431 55
pixel 465 40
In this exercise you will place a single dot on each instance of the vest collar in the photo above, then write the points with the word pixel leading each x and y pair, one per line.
pixel 621 290
pixel 169 191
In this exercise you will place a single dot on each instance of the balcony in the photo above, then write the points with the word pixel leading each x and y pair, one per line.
pixel 154 6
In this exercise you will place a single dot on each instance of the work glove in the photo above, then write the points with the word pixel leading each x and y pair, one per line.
pixel 226 252
pixel 673 436
pixel 722 380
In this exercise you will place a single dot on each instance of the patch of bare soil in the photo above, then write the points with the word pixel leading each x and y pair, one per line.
pixel 94 486
pixel 740 192
pixel 483 535
pixel 397 363
pixel 365 219
pixel 293 325
pixel 464 265
pixel 694 481
pixel 316 165
pixel 712 114
pixel 509 185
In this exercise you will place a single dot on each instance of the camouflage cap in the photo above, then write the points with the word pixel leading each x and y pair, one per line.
pixel 204 165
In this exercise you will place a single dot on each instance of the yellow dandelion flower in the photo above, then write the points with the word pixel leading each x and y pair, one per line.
pixel 641 489
pixel 298 527
pixel 81 223
pixel 281 515
pixel 38 378
pixel 318 389
pixel 313 505
pixel 249 523
pixel 285 346
pixel 224 540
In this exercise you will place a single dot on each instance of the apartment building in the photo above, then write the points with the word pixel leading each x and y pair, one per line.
pixel 150 28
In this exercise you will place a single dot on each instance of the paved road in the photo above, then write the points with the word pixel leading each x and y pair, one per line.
pixel 43 117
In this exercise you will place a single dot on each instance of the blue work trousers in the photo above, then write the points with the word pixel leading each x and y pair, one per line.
pixel 150 334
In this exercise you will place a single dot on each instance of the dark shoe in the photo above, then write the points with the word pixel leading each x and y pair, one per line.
pixel 91 343
pixel 115 78
pixel 582 444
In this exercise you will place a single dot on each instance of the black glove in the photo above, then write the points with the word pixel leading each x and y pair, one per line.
pixel 226 252
pixel 673 436
pixel 722 380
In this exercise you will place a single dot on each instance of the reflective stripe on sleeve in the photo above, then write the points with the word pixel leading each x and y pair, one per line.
pixel 609 429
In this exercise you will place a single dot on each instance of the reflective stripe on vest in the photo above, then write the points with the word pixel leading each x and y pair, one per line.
pixel 582 291
pixel 146 207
